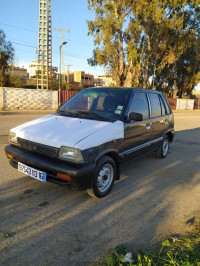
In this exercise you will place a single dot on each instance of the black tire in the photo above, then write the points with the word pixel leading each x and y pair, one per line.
pixel 164 148
pixel 103 178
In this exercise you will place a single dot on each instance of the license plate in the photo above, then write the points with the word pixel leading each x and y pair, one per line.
pixel 39 175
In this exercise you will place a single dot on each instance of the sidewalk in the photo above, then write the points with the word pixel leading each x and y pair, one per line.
pixel 27 112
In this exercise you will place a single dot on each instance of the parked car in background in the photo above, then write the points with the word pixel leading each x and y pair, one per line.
pixel 89 137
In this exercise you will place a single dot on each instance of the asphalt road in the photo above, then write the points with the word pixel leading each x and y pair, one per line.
pixel 47 224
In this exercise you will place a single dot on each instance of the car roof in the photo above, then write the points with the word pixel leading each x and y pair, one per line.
pixel 133 89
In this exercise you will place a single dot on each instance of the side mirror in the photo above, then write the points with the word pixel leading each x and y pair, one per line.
pixel 134 117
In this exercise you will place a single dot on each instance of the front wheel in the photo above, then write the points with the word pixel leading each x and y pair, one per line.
pixel 103 178
pixel 164 148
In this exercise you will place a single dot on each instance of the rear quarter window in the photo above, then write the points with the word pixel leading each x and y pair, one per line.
pixel 155 105
pixel 163 108
pixel 168 109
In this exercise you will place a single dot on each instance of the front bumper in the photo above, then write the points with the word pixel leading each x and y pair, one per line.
pixel 81 174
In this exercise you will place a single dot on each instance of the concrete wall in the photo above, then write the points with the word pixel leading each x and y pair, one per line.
pixel 28 99
pixel 185 104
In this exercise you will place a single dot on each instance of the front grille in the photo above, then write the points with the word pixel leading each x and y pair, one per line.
pixel 37 147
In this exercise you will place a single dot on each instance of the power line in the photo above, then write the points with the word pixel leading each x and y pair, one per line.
pixel 80 57
pixel 24 44
pixel 16 27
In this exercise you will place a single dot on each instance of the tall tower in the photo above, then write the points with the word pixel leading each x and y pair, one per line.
pixel 44 71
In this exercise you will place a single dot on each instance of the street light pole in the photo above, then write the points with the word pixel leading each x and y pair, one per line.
pixel 60 47
pixel 154 74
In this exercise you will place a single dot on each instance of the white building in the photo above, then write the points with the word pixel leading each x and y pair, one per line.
pixel 104 80
pixel 33 69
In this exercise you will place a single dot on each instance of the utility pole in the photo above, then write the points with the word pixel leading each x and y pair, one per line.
pixel 63 60
pixel 60 71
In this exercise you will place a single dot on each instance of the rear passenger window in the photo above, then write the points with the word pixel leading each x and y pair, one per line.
pixel 140 104
pixel 155 105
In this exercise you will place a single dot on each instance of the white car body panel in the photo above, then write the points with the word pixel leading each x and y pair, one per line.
pixel 57 131
pixel 108 133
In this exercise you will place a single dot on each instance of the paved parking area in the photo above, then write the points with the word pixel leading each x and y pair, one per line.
pixel 48 224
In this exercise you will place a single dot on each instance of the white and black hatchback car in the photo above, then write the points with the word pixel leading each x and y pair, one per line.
pixel 91 135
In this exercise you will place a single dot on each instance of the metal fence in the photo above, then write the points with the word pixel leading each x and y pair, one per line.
pixel 66 95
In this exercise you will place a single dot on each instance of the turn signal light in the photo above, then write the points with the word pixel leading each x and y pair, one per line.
pixel 10 156
pixel 65 177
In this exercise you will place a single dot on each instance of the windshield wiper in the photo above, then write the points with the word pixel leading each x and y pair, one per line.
pixel 67 112
pixel 91 113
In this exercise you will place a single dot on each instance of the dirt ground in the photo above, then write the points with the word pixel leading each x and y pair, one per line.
pixel 47 224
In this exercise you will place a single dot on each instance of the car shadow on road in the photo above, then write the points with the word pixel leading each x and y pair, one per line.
pixel 49 224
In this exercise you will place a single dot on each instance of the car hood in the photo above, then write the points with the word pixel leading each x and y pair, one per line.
pixel 57 131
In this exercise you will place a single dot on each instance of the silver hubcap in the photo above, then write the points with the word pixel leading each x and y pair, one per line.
pixel 105 177
pixel 165 147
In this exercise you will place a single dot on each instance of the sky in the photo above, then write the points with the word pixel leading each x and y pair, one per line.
pixel 19 21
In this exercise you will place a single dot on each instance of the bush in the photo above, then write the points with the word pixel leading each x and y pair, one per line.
pixel 176 250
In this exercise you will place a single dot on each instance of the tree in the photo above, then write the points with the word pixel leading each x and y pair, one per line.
pixel 176 60
pixel 186 68
pixel 139 40
pixel 110 35
pixel 6 57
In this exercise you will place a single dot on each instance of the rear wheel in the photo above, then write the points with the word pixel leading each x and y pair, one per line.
pixel 103 178
pixel 164 148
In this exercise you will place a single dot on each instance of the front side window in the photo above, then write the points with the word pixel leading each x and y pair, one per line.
pixel 155 105
pixel 102 102
pixel 140 104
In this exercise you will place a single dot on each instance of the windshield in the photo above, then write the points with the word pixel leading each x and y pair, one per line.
pixel 98 103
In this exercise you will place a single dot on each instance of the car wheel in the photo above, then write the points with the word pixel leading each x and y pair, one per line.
pixel 164 148
pixel 103 178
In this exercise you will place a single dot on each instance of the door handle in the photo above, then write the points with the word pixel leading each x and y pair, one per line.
pixel 148 126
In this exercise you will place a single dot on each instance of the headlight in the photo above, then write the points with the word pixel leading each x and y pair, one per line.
pixel 70 154
pixel 12 138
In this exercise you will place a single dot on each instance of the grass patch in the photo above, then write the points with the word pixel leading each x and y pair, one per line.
pixel 178 251
pixel 5 235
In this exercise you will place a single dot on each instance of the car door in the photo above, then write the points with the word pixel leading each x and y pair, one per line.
pixel 137 133
pixel 159 118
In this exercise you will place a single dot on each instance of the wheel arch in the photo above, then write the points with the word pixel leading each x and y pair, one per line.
pixel 115 156
pixel 170 135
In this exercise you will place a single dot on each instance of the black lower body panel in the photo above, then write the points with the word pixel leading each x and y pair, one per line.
pixel 80 175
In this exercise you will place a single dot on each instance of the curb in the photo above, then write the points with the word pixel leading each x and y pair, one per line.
pixel 27 112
